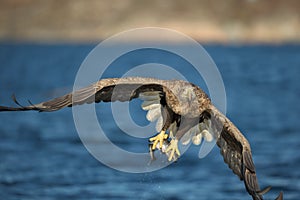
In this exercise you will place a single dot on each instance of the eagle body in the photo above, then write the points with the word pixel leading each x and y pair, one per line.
pixel 183 112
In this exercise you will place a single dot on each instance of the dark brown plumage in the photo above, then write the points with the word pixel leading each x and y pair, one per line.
pixel 183 103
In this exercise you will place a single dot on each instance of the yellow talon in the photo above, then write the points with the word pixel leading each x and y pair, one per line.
pixel 158 138
pixel 173 149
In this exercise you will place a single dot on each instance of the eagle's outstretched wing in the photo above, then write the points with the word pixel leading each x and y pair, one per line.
pixel 112 89
pixel 125 89
pixel 236 152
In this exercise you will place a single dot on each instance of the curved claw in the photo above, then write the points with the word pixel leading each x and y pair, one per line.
pixel 151 152
pixel 172 151
pixel 158 138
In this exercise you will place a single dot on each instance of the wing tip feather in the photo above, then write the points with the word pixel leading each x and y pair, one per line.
pixel 280 196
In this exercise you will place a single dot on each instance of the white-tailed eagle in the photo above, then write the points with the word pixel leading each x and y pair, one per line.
pixel 183 112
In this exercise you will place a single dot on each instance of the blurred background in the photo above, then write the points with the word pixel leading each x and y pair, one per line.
pixel 204 20
pixel 254 43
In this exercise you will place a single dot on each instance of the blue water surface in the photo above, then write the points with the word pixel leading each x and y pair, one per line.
pixel 42 156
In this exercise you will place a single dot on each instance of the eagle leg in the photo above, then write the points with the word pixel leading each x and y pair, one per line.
pixel 172 151
pixel 159 138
